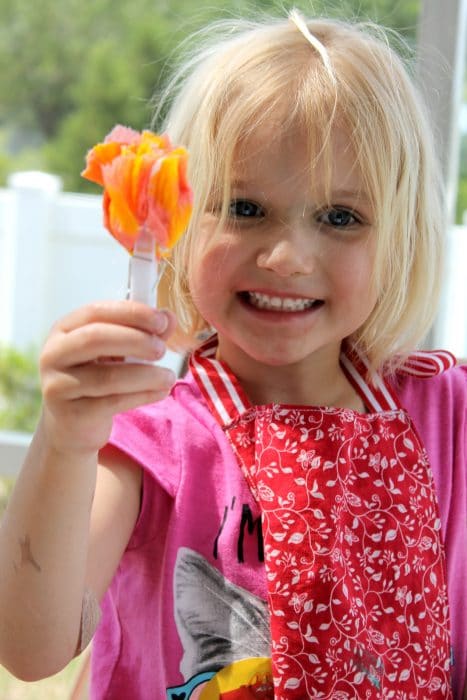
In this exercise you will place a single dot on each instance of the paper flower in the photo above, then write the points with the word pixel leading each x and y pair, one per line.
pixel 145 186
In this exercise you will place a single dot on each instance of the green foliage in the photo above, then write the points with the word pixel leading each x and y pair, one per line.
pixel 463 156
pixel 55 687
pixel 6 487
pixel 462 186
pixel 20 395
pixel 461 200
pixel 79 68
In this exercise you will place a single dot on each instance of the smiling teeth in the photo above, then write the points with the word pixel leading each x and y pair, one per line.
pixel 264 301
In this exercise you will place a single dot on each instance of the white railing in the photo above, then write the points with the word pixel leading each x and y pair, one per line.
pixel 13 447
pixel 55 255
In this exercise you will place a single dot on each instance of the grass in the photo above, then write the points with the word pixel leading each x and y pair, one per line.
pixel 56 687
pixel 6 485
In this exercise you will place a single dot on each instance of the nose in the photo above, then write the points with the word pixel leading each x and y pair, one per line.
pixel 290 252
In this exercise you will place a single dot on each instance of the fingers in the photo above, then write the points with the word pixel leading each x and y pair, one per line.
pixel 101 380
pixel 108 330
pixel 171 324
pixel 125 313
pixel 97 340
pixel 82 385
pixel 119 404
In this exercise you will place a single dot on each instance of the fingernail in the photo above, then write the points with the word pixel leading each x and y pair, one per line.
pixel 168 377
pixel 160 322
pixel 158 345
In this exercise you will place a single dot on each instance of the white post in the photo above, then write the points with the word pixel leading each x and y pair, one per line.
pixel 6 272
pixel 441 57
pixel 34 195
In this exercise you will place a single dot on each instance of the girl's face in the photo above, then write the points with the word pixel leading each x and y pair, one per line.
pixel 285 279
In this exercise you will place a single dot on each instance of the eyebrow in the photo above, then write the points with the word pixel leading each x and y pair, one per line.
pixel 238 183
pixel 361 195
pixel 355 194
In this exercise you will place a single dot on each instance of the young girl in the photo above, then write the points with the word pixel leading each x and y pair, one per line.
pixel 293 511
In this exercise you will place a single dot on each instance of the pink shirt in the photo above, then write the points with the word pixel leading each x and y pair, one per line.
pixel 189 595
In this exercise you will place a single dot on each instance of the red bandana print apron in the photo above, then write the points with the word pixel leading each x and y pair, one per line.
pixel 352 537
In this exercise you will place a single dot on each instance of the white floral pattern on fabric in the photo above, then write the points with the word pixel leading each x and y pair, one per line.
pixel 354 558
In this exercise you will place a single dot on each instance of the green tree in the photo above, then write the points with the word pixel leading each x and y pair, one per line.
pixel 79 68
pixel 462 191
pixel 47 41
pixel 20 395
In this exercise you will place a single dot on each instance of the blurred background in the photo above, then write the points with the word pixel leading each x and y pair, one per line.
pixel 71 70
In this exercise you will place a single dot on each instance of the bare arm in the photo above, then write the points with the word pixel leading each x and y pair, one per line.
pixel 61 533
pixel 115 511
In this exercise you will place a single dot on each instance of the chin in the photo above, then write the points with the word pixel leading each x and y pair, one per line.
pixel 278 358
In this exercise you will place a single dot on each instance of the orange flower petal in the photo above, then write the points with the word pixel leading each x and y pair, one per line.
pixel 145 184
pixel 97 158
pixel 123 135
pixel 169 201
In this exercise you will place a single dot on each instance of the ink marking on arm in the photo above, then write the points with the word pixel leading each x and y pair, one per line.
pixel 26 554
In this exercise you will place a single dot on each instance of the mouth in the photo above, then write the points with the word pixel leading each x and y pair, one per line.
pixel 269 302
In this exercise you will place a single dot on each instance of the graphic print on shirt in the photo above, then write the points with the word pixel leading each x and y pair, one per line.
pixel 224 632
pixel 250 527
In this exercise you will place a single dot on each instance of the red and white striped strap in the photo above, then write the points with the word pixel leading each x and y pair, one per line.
pixel 218 385
pixel 228 401
pixel 376 394
pixel 425 363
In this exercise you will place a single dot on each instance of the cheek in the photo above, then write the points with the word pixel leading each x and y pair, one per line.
pixel 355 269
pixel 219 257
pixel 208 279
pixel 352 275
pixel 199 269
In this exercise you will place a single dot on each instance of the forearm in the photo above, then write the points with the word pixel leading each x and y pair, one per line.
pixel 45 551
pixel 43 555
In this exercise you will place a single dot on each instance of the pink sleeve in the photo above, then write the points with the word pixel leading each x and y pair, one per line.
pixel 438 407
pixel 149 436
pixel 159 436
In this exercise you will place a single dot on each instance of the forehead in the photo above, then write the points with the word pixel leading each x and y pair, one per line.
pixel 272 154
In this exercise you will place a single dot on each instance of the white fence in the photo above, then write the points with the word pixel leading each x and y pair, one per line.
pixel 55 255
pixel 13 447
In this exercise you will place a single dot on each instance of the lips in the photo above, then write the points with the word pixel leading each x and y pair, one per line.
pixel 271 302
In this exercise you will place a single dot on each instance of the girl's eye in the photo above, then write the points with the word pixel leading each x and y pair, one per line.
pixel 243 208
pixel 338 218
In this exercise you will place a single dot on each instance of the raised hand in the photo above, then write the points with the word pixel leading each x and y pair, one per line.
pixel 85 380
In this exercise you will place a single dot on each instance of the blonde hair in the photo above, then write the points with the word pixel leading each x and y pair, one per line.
pixel 318 73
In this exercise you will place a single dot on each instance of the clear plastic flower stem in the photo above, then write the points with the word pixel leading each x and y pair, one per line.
pixel 143 272
pixel 143 276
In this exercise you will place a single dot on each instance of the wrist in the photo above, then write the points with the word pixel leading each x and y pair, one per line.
pixel 66 438
pixel 48 449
